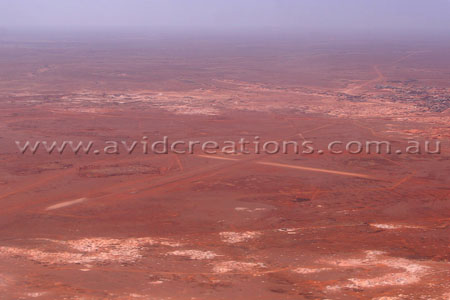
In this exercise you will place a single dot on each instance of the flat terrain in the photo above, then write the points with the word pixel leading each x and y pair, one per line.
pixel 241 226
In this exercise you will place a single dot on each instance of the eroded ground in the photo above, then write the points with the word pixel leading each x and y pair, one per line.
pixel 223 226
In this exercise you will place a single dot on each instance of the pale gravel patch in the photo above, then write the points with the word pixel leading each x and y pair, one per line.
pixel 195 254
pixel 237 266
pixel 90 251
pixel 69 257
pixel 289 230
pixel 133 295
pixel 238 237
pixel 401 278
pixel 185 110
pixel 139 296
pixel 246 209
pixel 99 244
pixel 409 272
pixel 35 294
pixel 395 226
pixel 310 270
pixel 242 209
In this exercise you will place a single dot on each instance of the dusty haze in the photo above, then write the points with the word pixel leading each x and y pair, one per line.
pixel 383 16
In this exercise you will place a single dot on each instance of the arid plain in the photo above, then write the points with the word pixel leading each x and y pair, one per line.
pixel 242 226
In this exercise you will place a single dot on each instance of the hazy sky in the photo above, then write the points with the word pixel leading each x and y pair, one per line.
pixel 309 15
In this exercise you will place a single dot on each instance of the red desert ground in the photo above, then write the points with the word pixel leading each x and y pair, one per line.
pixel 224 226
